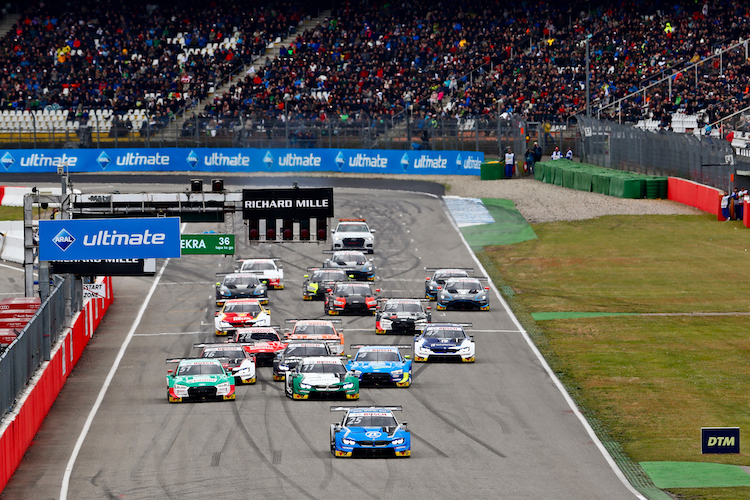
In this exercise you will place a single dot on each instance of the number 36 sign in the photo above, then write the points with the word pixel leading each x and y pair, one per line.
pixel 210 244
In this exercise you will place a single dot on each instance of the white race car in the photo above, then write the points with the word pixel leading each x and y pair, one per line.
pixel 353 234
pixel 444 341
pixel 241 313
pixel 269 271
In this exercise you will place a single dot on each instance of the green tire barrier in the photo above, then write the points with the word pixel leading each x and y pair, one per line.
pixel 584 177
pixel 491 171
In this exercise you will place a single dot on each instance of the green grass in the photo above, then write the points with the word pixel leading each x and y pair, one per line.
pixel 651 382
pixel 11 213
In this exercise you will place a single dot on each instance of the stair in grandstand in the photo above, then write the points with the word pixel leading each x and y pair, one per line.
pixel 272 52
pixel 7 21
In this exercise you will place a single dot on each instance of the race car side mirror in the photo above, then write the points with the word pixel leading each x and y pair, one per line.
pixel 407 356
pixel 486 288
pixel 333 231
pixel 306 276
pixel 348 356
pixel 372 230
pixel 427 278
pixel 218 283
pixel 216 313
pixel 170 372
pixel 377 290
pixel 329 290
pixel 268 311
pixel 404 424
pixel 429 308
pixel 337 427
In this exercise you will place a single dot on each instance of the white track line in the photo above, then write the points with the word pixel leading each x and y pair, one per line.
pixel 107 381
pixel 558 384
pixel 167 333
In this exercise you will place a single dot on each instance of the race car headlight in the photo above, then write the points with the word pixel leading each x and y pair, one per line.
pixel 445 295
pixel 225 292
pixel 305 386
pixel 223 387
pixel 283 367
pixel 348 441
pixel 367 267
pixel 357 373
pixel 225 324
pixel 397 373
pixel 481 296
pixel 348 385
pixel 398 441
pixel 369 237
pixel 431 286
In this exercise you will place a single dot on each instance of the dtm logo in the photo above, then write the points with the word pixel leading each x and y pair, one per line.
pixel 192 159
pixel 7 160
pixel 103 160
pixel 63 240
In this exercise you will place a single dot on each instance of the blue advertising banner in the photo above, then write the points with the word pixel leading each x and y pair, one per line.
pixel 244 160
pixel 85 239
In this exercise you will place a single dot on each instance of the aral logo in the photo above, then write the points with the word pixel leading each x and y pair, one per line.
pixel 103 160
pixel 63 240
pixel 192 159
pixel 7 160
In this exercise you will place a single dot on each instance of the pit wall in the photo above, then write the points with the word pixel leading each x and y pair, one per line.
pixel 21 425
pixel 705 198
pixel 243 160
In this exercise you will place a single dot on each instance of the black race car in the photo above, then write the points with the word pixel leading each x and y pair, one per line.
pixel 353 262
pixel 440 275
pixel 315 284
pixel 401 316
pixel 288 359
pixel 241 286
pixel 350 297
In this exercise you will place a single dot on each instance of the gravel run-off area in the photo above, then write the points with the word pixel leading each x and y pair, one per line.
pixel 537 201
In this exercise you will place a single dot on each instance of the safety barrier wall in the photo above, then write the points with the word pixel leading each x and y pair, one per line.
pixel 22 424
pixel 696 195
pixel 244 160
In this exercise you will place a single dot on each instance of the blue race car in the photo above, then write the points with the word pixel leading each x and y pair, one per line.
pixel 381 365
pixel 369 431
pixel 444 341
pixel 354 263
pixel 463 293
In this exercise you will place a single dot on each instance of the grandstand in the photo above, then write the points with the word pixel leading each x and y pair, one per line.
pixel 123 72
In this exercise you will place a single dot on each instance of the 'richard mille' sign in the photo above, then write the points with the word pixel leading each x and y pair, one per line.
pixel 287 203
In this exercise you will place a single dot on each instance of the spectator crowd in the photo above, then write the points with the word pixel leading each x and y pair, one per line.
pixel 376 59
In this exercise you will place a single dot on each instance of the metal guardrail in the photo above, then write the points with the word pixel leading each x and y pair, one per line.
pixel 707 160
pixel 32 347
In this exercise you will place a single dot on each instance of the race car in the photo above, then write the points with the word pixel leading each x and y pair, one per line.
pixel 444 341
pixel 369 431
pixel 199 380
pixel 350 297
pixel 263 342
pixel 353 263
pixel 463 293
pixel 241 286
pixel 440 275
pixel 241 313
pixel 268 271
pixel 353 234
pixel 234 358
pixel 321 377
pixel 318 330
pixel 401 316
pixel 381 365
pixel 315 286
pixel 294 352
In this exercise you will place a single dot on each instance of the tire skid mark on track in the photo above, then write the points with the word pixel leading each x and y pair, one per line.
pixel 458 428
pixel 262 456
pixel 326 460
pixel 527 429
pixel 428 444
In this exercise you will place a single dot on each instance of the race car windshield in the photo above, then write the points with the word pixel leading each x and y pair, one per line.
pixel 350 257
pixel 224 353
pixel 378 356
pixel 329 276
pixel 370 421
pixel 248 337
pixel 306 351
pixel 315 330
pixel 352 228
pixel 402 307
pixel 442 333
pixel 257 266
pixel 353 290
pixel 231 281
pixel 463 286
pixel 323 368
pixel 199 369
pixel 241 308
pixel 442 277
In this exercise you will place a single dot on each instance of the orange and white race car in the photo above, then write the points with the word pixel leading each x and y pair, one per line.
pixel 316 329
pixel 261 341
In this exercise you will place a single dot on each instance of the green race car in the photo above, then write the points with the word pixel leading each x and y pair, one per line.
pixel 199 380
pixel 321 378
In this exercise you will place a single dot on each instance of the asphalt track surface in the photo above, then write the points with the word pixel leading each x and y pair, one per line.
pixel 497 428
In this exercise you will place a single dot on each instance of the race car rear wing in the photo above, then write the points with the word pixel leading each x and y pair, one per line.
pixel 201 345
pixel 362 407
pixel 275 259
pixel 465 325
pixel 433 269
pixel 177 360
pixel 294 320
pixel 399 346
